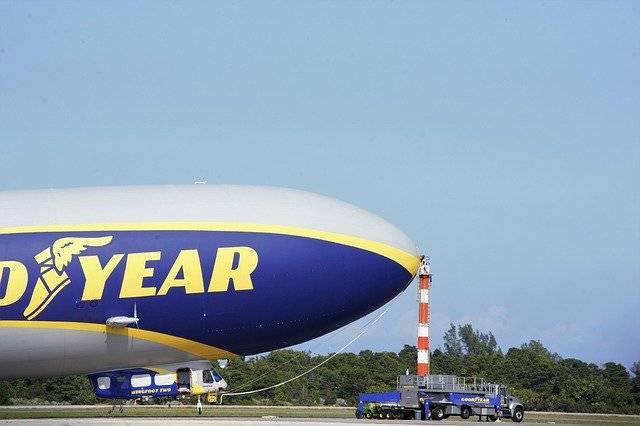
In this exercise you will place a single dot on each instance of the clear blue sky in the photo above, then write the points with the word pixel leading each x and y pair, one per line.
pixel 504 137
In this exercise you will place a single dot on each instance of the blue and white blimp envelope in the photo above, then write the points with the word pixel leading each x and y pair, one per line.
pixel 100 279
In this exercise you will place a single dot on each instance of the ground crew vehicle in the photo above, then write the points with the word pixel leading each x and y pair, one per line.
pixel 439 396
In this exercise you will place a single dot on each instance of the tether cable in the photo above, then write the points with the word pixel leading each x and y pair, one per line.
pixel 364 330
pixel 322 341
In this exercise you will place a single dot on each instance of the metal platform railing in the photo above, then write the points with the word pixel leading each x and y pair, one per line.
pixel 449 383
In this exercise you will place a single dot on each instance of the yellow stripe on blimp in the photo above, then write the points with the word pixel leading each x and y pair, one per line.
pixel 195 348
pixel 409 261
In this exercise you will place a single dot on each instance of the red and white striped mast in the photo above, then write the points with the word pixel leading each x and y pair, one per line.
pixel 424 273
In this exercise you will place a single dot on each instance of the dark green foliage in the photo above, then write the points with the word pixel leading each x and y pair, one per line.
pixel 343 378
pixel 58 390
pixel 635 382
pixel 4 393
pixel 476 343
pixel 452 344
pixel 543 380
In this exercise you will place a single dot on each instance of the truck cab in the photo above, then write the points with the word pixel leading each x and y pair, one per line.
pixel 510 405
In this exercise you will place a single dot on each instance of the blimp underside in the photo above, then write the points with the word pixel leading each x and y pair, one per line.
pixel 111 278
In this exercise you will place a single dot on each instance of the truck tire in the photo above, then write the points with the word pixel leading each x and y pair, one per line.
pixel 437 413
pixel 465 412
pixel 518 414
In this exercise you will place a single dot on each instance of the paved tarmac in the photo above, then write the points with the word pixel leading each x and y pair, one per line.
pixel 231 421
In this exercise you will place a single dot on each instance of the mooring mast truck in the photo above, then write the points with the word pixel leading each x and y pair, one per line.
pixel 439 396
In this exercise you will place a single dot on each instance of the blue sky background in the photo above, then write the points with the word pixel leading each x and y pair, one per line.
pixel 504 137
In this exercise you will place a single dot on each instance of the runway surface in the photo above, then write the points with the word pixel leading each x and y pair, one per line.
pixel 232 421
pixel 257 415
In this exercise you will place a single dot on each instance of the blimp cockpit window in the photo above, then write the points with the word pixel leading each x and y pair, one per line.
pixel 210 376
pixel 207 377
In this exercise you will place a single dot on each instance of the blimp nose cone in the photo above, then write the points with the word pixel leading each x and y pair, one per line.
pixel 328 264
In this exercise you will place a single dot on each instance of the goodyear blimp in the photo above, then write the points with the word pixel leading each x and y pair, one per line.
pixel 138 286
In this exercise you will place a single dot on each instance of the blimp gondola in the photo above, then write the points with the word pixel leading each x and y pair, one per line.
pixel 107 279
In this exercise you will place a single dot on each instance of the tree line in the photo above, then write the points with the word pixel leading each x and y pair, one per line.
pixel 541 379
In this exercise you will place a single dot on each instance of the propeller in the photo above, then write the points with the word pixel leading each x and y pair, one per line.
pixel 122 321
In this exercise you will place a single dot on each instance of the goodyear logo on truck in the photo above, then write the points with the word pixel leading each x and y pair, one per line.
pixel 232 265
pixel 475 400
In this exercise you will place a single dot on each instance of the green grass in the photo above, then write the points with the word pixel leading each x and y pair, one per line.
pixel 303 412
pixel 153 411
pixel 586 419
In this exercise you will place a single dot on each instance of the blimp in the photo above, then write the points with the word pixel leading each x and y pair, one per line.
pixel 140 288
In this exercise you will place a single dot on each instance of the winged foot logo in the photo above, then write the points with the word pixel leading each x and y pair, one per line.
pixel 53 278
pixel 232 266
